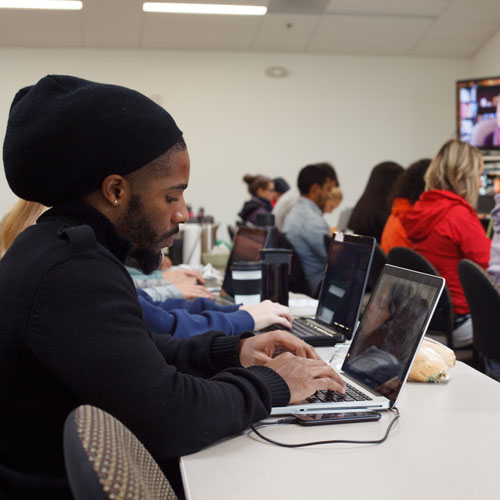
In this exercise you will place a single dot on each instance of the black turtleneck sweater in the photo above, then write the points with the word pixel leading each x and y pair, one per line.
pixel 72 333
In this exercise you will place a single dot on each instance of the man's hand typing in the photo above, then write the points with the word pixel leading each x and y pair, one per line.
pixel 301 366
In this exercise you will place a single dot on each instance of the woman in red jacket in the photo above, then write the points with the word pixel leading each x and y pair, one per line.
pixel 443 225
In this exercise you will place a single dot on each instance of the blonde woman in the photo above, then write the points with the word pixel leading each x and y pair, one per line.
pixel 443 225
pixel 22 214
pixel 333 200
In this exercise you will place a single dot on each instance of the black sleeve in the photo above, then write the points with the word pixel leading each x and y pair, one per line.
pixel 86 327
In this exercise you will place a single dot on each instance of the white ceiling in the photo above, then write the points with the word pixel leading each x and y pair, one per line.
pixel 436 28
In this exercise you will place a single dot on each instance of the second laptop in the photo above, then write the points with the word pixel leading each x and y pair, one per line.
pixel 341 294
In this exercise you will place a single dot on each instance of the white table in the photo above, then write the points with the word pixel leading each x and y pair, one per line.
pixel 445 446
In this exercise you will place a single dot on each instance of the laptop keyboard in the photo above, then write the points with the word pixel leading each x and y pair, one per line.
pixel 351 394
pixel 310 329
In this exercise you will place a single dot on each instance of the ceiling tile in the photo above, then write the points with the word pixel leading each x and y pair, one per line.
pixel 40 28
pixel 190 31
pixel 460 30
pixel 388 7
pixel 434 27
pixel 352 34
pixel 114 23
pixel 473 11
pixel 285 33
pixel 433 48
pixel 225 2
pixel 298 7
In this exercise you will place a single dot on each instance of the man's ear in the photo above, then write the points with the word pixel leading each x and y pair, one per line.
pixel 314 190
pixel 115 189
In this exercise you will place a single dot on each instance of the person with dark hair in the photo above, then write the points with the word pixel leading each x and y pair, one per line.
pixel 263 193
pixel 407 191
pixel 288 200
pixel 113 165
pixel 305 227
pixel 281 187
pixel 370 213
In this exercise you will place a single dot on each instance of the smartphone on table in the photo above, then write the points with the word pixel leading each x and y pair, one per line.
pixel 336 418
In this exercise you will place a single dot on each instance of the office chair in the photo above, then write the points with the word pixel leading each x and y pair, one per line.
pixel 442 320
pixel 104 460
pixel 231 230
pixel 379 260
pixel 483 297
pixel 297 278
pixel 327 240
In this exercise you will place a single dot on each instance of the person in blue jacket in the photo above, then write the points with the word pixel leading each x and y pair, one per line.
pixel 183 318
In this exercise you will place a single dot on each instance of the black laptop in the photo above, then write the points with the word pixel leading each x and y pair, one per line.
pixel 341 294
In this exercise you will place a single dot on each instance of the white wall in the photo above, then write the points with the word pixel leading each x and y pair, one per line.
pixel 351 111
pixel 487 61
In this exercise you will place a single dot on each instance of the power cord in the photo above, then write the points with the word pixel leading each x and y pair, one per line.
pixel 291 420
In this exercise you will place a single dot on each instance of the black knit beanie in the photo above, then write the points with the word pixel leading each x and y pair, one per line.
pixel 66 134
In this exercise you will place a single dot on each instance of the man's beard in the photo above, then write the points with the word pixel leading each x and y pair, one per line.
pixel 147 244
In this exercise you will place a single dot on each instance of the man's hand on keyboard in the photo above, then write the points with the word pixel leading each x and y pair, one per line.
pixel 305 376
pixel 269 313
pixel 260 349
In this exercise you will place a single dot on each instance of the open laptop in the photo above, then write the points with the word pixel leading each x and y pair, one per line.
pixel 341 294
pixel 384 347
pixel 246 247
pixel 344 217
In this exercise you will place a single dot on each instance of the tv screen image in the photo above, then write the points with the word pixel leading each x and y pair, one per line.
pixel 478 112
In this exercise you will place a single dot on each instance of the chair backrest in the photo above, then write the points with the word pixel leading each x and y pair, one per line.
pixel 327 240
pixel 442 320
pixel 104 460
pixel 483 297
pixel 378 262
pixel 231 231
pixel 297 280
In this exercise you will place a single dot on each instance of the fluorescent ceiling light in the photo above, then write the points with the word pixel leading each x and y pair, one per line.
pixel 203 8
pixel 41 4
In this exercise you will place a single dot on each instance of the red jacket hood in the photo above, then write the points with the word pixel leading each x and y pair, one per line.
pixel 432 205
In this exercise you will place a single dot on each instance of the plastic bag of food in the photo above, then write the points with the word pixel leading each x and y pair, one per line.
pixel 432 363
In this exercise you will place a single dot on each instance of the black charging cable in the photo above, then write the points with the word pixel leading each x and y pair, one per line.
pixel 291 420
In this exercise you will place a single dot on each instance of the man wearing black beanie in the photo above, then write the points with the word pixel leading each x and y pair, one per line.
pixel 113 165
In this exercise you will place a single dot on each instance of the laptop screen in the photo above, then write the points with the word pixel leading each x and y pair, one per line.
pixel 344 283
pixel 391 328
pixel 246 246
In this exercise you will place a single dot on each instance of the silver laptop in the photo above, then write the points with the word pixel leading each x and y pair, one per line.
pixel 345 215
pixel 342 289
pixel 384 346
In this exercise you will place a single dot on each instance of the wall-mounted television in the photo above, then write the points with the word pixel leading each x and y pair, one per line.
pixel 478 112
